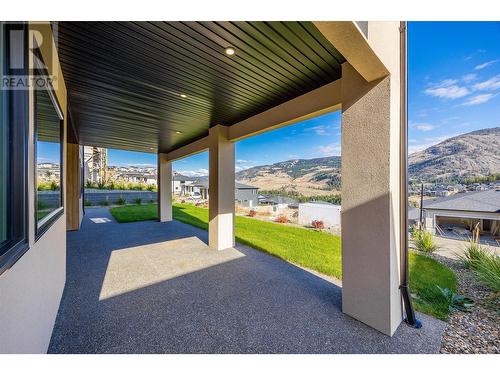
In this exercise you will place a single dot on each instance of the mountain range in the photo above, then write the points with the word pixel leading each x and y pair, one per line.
pixel 474 154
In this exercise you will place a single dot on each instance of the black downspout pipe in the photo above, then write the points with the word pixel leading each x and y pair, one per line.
pixel 421 222
pixel 410 317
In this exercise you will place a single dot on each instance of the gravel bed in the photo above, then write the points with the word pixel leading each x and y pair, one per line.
pixel 476 331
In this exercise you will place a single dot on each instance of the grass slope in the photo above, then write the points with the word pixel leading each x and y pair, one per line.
pixel 315 250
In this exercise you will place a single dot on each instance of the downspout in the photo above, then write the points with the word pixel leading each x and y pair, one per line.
pixel 410 318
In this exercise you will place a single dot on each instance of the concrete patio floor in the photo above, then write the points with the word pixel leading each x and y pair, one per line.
pixel 151 287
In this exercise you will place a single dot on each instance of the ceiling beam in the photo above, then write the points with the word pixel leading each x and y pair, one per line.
pixel 314 103
pixel 192 148
pixel 325 99
pixel 350 41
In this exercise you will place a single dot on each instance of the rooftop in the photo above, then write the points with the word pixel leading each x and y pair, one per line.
pixel 477 201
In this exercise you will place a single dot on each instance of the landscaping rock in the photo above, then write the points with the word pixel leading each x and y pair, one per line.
pixel 476 331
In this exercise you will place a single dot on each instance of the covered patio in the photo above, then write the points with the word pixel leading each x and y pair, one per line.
pixel 151 287
pixel 181 88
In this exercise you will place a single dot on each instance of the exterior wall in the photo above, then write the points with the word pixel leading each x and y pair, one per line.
pixel 327 213
pixel 31 290
pixel 247 197
pixel 30 293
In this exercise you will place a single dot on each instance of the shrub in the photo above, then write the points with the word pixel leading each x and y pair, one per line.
pixel 318 224
pixel 486 265
pixel 105 203
pixel 424 241
pixel 473 253
pixel 488 271
pixel 120 201
pixel 138 200
pixel 54 186
pixel 87 203
pixel 151 201
pixel 151 188
pixel 252 213
pixel 101 185
pixel 111 186
pixel 89 184
pixel 281 219
pixel 455 301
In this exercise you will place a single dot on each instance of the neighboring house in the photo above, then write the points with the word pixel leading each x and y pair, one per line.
pixel 279 201
pixel 136 177
pixel 461 212
pixel 181 183
pixel 326 212
pixel 245 195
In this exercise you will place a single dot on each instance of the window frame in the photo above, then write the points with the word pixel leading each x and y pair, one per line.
pixel 17 244
pixel 51 218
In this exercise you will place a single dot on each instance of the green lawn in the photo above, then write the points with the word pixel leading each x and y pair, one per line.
pixel 315 250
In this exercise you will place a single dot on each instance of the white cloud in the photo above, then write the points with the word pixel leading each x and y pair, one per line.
pixel 424 127
pixel 478 99
pixel 491 84
pixel 332 149
pixel 447 89
pixel 243 161
pixel 197 173
pixel 323 129
pixel 469 77
pixel 242 167
pixel 485 65
pixel 427 142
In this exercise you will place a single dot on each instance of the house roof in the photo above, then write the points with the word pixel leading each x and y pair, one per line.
pixel 477 201
pixel 237 185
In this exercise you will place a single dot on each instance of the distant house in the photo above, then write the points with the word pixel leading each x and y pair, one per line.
pixel 137 177
pixel 245 195
pixel 326 212
pixel 462 212
pixel 180 183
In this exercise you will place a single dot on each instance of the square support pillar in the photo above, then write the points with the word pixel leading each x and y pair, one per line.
pixel 370 200
pixel 221 189
pixel 164 188
pixel 74 206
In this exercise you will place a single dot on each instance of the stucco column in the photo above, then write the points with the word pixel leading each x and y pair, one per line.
pixel 164 188
pixel 370 188
pixel 221 189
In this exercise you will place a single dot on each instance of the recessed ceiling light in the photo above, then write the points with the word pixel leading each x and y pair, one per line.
pixel 230 51
pixel 183 95
pixel 177 132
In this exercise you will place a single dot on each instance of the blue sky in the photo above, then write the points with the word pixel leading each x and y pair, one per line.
pixel 454 88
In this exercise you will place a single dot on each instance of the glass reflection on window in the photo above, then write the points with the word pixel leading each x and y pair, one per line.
pixel 48 158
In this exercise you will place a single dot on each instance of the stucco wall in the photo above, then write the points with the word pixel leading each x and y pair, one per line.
pixel 30 292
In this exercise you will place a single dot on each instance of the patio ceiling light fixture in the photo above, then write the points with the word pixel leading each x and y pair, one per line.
pixel 230 51
pixel 183 95
pixel 178 132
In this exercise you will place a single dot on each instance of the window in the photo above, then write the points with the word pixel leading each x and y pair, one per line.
pixel 13 145
pixel 48 158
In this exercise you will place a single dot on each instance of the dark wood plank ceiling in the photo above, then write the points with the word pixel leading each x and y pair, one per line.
pixel 125 79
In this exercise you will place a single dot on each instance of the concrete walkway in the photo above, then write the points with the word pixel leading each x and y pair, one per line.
pixel 152 287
